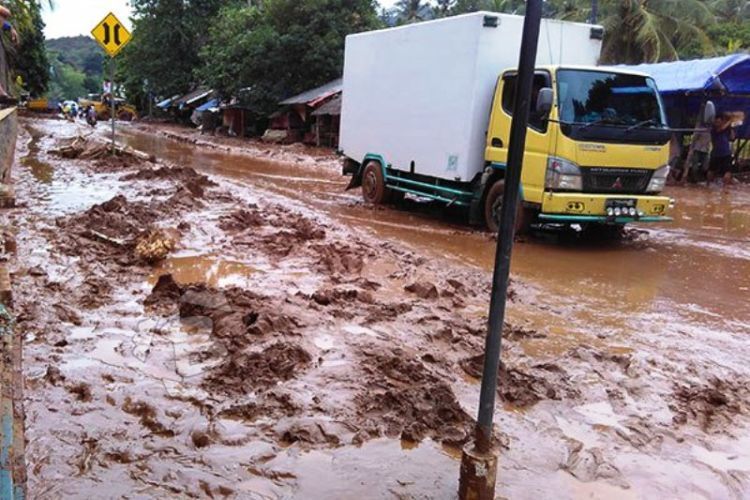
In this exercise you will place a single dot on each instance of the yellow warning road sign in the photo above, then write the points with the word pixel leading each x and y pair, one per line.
pixel 111 35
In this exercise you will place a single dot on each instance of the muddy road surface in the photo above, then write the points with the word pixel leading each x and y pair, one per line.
pixel 228 322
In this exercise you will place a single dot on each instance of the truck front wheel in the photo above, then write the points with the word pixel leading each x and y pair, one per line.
pixel 493 204
pixel 373 184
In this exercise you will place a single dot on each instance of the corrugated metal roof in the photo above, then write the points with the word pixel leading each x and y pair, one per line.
pixel 314 96
pixel 332 107
pixel 193 96
pixel 211 103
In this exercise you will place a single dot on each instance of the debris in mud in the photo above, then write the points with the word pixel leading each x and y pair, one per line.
pixel 245 371
pixel 524 389
pixel 166 292
pixel 85 148
pixel 192 181
pixel 328 296
pixel 94 292
pixel 242 219
pixel 623 361
pixel 309 431
pixel 113 222
pixel 234 315
pixel 711 405
pixel 81 390
pixel 339 258
pixel 588 464
pixel 53 375
pixel 155 245
pixel 423 290
pixel 404 399
pixel 147 414
pixel 200 438
pixel 272 403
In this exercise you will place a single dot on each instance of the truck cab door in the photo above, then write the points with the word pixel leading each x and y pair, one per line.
pixel 538 137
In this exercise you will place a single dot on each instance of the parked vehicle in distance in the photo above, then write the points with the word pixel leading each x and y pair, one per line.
pixel 125 112
pixel 427 110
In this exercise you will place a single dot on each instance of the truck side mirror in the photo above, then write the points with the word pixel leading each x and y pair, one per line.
pixel 544 101
pixel 709 113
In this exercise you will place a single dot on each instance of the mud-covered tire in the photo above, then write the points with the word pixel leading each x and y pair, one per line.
pixel 125 116
pixel 493 203
pixel 373 184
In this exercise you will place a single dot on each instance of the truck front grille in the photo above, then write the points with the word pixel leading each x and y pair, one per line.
pixel 615 180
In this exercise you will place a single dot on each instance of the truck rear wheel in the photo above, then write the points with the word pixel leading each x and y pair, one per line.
pixel 373 184
pixel 493 204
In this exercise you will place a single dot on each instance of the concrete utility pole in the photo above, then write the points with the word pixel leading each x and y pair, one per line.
pixel 479 460
pixel 594 11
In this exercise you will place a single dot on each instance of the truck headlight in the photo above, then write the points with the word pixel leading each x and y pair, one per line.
pixel 563 174
pixel 658 180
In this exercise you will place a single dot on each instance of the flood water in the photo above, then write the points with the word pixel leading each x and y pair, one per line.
pixel 699 264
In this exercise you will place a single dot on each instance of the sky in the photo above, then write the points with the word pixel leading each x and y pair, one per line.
pixel 78 17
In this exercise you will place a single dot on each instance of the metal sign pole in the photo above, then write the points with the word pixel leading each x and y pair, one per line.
pixel 479 460
pixel 112 99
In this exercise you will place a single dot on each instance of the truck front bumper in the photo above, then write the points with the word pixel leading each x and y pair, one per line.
pixel 584 207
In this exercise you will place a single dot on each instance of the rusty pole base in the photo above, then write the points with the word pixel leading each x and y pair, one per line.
pixel 478 474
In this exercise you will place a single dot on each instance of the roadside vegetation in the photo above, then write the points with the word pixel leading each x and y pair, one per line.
pixel 275 48
pixel 287 46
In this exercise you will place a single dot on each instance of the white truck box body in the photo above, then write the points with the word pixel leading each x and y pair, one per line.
pixel 423 92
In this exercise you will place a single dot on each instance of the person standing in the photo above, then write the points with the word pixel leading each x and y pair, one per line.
pixel 695 163
pixel 722 136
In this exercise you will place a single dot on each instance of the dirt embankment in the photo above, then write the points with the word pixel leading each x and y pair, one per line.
pixel 335 339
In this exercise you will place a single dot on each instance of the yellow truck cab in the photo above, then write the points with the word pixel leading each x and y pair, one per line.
pixel 426 110
pixel 599 154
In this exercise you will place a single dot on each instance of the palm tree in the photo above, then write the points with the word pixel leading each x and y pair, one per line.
pixel 733 11
pixel 639 31
pixel 412 11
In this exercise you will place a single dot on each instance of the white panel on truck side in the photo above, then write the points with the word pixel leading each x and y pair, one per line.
pixel 408 94
pixel 422 93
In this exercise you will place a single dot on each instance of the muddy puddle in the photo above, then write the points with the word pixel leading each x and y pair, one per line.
pixel 292 343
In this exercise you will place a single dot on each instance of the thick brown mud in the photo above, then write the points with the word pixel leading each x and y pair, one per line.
pixel 217 325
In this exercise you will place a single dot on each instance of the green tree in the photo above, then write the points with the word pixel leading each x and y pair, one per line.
pixel 645 30
pixel 67 82
pixel 655 30
pixel 29 60
pixel 443 8
pixel 412 11
pixel 280 47
pixel 732 11
pixel 506 6
pixel 25 12
pixel 167 38
pixel 730 37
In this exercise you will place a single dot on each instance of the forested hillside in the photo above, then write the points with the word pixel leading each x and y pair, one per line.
pixel 76 67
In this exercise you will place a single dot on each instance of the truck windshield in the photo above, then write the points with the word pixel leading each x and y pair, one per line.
pixel 610 107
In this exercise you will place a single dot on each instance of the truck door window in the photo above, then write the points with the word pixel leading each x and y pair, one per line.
pixel 541 80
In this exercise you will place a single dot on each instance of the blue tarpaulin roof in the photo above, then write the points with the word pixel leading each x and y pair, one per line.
pixel 685 85
pixel 165 103
pixel 212 103
pixel 729 73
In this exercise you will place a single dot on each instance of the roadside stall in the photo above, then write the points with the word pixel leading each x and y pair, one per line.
pixel 686 85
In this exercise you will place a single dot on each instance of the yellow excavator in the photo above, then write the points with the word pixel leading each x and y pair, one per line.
pixel 125 112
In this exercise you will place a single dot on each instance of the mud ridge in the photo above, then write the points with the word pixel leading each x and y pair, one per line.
pixel 404 399
pixel 711 405
pixel 525 388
